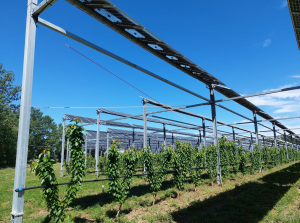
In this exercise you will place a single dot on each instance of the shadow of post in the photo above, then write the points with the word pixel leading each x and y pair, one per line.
pixel 247 203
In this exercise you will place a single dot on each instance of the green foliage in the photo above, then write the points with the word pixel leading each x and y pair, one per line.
pixel 119 190
pixel 212 161
pixel 198 163
pixel 44 170
pixel 113 170
pixel 180 166
pixel 90 162
pixel 257 158
pixel 266 156
pixel 67 165
pixel 283 155
pixel 243 160
pixel 43 134
pixel 130 158
pixel 224 157
pixel 9 95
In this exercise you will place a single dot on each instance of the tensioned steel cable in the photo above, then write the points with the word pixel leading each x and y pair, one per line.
pixel 165 106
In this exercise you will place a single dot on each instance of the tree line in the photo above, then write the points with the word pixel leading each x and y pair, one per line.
pixel 44 133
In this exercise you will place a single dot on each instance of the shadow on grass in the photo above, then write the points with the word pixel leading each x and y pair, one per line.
pixel 247 203
pixel 106 198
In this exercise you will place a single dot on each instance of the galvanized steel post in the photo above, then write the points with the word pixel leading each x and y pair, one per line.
pixel 24 118
pixel 145 122
pixel 204 132
pixel 233 134
pixel 97 143
pixel 63 148
pixel 85 149
pixel 275 138
pixel 107 142
pixel 251 143
pixel 200 139
pixel 68 150
pixel 145 126
pixel 286 146
pixel 165 141
pixel 292 141
pixel 133 137
pixel 256 128
pixel 215 131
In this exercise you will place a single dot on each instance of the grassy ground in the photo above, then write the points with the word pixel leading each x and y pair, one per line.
pixel 271 196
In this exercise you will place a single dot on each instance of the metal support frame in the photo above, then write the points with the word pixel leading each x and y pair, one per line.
pixel 215 130
pixel 165 137
pixel 286 146
pixel 251 142
pixel 145 122
pixel 85 150
pixel 97 144
pixel 24 118
pixel 256 128
pixel 275 137
pixel 107 142
pixel 200 138
pixel 233 134
pixel 63 148
pixel 292 141
pixel 133 137
pixel 68 151
pixel 204 132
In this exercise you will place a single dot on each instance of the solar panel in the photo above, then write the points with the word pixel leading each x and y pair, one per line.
pixel 294 6
pixel 110 15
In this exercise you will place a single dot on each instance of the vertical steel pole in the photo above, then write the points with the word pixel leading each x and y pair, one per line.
pixel 63 148
pixel 275 138
pixel 107 142
pixel 204 132
pixel 256 128
pixel 133 137
pixel 24 118
pixel 200 139
pixel 263 138
pixel 251 143
pixel 233 134
pixel 145 126
pixel 215 131
pixel 149 143
pixel 68 150
pixel 85 149
pixel 145 121
pixel 292 141
pixel 97 143
pixel 286 146
pixel 173 140
pixel 165 141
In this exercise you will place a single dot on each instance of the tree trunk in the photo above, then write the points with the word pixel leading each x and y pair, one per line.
pixel 154 199
pixel 178 195
pixel 212 183
pixel 119 210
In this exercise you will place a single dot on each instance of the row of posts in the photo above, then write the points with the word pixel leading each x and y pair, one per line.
pixel 215 135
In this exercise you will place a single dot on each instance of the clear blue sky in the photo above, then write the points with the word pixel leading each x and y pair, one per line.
pixel 249 45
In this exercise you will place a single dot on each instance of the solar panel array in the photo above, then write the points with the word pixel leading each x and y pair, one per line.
pixel 126 139
pixel 110 15
pixel 133 126
pixel 294 6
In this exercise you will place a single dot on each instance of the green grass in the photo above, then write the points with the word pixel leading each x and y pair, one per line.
pixel 272 196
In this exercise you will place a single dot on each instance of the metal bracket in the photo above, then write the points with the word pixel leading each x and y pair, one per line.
pixel 14 214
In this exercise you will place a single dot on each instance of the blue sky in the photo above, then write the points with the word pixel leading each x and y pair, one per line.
pixel 249 45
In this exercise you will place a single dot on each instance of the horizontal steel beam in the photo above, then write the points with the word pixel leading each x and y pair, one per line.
pixel 42 7
pixel 259 94
pixel 112 55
